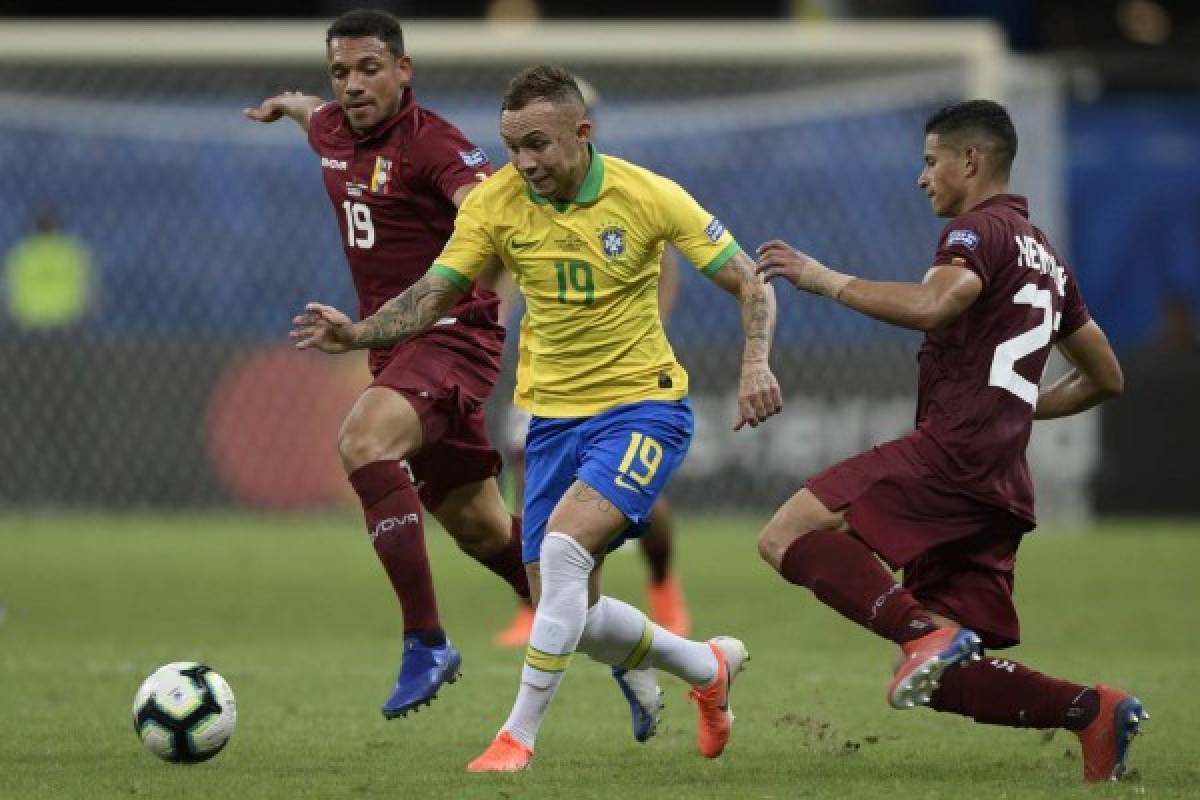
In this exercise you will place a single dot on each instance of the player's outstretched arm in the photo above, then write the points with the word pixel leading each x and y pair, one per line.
pixel 289 104
pixel 759 396
pixel 1095 375
pixel 324 328
pixel 946 292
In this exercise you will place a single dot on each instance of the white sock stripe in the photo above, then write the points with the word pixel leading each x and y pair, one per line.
pixel 638 654
pixel 613 631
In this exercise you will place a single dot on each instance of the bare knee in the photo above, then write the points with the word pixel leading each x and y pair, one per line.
pixel 798 517
pixel 774 541
pixel 358 446
pixel 382 426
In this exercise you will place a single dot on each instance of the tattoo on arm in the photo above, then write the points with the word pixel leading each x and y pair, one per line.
pixel 409 313
pixel 758 309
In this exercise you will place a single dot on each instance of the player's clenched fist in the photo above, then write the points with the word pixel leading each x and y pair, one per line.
pixel 323 328
pixel 777 259
pixel 759 396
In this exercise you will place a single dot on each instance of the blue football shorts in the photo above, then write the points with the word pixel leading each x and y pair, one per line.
pixel 627 454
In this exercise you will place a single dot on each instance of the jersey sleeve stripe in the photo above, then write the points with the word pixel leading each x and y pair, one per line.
pixel 730 250
pixel 452 275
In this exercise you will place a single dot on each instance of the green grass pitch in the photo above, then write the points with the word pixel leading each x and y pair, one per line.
pixel 296 614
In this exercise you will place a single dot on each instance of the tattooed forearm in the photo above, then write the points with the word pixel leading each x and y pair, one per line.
pixel 757 300
pixel 758 319
pixel 407 314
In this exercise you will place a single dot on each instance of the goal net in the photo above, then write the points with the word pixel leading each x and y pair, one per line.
pixel 173 385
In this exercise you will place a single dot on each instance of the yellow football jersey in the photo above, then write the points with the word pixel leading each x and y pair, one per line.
pixel 592 338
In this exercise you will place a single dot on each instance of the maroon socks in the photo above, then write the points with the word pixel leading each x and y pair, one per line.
pixel 846 576
pixel 394 522
pixel 997 691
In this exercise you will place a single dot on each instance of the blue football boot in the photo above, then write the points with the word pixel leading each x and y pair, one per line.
pixel 423 670
pixel 641 691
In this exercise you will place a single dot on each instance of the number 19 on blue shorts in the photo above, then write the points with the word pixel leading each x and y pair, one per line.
pixel 627 454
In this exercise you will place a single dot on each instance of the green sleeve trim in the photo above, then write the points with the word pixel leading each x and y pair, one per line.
pixel 731 249
pixel 452 275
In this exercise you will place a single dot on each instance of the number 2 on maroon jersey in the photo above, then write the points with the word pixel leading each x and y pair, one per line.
pixel 1010 351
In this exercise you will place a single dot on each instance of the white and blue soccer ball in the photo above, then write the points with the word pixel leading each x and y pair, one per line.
pixel 184 712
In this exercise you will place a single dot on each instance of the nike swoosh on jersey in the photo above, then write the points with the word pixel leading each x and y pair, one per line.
pixel 620 481
pixel 515 245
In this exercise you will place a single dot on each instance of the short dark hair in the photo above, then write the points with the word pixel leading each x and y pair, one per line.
pixel 543 82
pixel 986 122
pixel 362 22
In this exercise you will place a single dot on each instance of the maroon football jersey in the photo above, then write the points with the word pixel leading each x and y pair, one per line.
pixel 979 375
pixel 391 192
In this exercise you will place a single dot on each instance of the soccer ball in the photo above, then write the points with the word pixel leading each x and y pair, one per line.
pixel 184 712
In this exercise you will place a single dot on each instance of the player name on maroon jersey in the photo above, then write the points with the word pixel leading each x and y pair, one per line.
pixel 1034 255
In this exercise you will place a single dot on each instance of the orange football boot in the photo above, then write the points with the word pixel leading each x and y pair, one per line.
pixel 1106 740
pixel 667 606
pixel 504 754
pixel 712 701
pixel 926 659
pixel 517 633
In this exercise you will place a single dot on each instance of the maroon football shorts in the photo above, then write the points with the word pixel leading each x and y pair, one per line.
pixel 447 378
pixel 957 553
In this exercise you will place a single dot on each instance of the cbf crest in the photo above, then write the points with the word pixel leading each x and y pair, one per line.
pixel 612 239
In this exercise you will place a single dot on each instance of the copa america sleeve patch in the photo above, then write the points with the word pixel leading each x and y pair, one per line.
pixel 714 230
pixel 968 239
pixel 474 158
